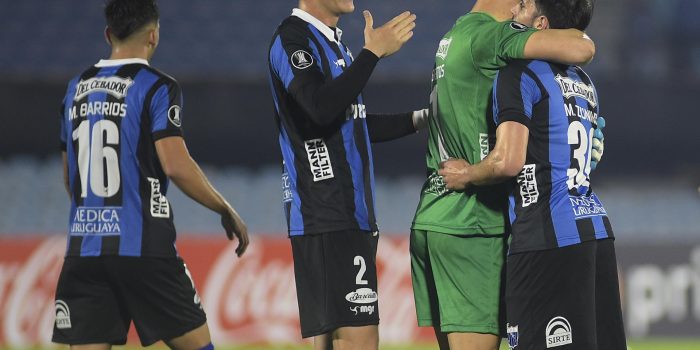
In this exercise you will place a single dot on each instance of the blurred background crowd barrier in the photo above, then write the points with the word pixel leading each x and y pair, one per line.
pixel 647 71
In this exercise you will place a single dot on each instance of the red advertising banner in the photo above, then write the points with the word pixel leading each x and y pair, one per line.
pixel 247 300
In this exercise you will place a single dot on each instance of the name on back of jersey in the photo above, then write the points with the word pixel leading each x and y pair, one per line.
pixel 106 109
pixel 103 221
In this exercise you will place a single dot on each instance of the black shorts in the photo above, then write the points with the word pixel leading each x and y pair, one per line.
pixel 566 298
pixel 336 280
pixel 97 298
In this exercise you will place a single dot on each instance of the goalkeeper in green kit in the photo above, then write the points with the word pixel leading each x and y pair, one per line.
pixel 458 239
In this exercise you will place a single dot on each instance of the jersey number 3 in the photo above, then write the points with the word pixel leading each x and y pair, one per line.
pixel 580 164
pixel 97 157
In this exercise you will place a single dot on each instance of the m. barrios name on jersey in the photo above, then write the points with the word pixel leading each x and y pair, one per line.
pixel 570 88
pixel 115 86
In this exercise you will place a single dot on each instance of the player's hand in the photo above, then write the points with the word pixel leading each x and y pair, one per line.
pixel 234 226
pixel 598 143
pixel 389 38
pixel 455 174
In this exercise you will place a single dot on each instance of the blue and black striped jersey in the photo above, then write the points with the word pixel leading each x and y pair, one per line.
pixel 552 203
pixel 112 115
pixel 328 181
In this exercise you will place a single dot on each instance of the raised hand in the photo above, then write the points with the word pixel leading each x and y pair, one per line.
pixel 389 38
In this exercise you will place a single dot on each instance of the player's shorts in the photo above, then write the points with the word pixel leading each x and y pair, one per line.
pixel 336 280
pixel 566 298
pixel 97 297
pixel 457 281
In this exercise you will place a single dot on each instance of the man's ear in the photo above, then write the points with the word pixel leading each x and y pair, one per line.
pixel 153 37
pixel 108 33
pixel 541 22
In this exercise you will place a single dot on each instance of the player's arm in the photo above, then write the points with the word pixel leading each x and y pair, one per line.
pixel 387 127
pixel 178 165
pixel 567 46
pixel 66 182
pixel 505 161
pixel 515 93
pixel 325 100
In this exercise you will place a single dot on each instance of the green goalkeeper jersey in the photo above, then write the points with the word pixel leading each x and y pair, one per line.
pixel 461 123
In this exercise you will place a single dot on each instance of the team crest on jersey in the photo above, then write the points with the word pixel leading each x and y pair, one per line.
pixel 574 88
pixel 62 315
pixel 527 181
pixel 319 159
pixel 302 59
pixel 443 48
pixel 174 115
pixel 115 86
pixel 513 336
pixel 558 332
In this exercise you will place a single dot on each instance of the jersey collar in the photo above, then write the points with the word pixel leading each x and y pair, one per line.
pixel 120 62
pixel 328 32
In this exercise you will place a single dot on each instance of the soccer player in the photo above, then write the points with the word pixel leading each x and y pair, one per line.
pixel 458 238
pixel 121 135
pixel 561 279
pixel 328 195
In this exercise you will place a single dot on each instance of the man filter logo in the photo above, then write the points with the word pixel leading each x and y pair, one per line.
pixel 319 159
pixel 558 332
pixel 62 315
pixel 527 181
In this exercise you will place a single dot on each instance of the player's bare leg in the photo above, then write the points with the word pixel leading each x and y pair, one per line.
pixel 91 347
pixel 323 342
pixel 473 341
pixel 356 338
pixel 441 339
pixel 192 340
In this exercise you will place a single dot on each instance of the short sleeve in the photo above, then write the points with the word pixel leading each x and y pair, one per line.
pixel 512 37
pixel 515 92
pixel 294 57
pixel 166 110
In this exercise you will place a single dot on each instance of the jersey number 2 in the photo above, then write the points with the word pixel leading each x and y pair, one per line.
pixel 97 157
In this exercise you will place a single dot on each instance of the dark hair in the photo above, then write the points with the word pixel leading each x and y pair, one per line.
pixel 125 17
pixel 565 14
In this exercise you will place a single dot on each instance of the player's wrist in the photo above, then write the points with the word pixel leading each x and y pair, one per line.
pixel 376 51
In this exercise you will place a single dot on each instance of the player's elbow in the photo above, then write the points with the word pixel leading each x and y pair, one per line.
pixel 584 52
pixel 174 170
pixel 510 167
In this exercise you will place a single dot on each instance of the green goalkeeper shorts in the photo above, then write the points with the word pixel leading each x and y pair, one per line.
pixel 457 281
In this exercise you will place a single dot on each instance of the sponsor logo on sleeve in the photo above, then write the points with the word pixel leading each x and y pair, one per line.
pixel 558 332
pixel 527 182
pixel 62 315
pixel 160 207
pixel 513 336
pixel 302 59
pixel 174 115
pixel 115 86
pixel 319 159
